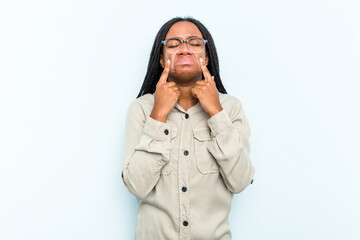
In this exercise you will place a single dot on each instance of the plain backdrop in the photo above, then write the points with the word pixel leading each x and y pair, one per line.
pixel 69 70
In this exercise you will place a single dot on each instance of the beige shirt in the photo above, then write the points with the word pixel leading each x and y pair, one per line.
pixel 185 171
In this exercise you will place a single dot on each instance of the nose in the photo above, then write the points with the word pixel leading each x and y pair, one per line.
pixel 184 49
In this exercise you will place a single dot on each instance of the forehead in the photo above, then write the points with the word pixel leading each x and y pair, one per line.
pixel 183 30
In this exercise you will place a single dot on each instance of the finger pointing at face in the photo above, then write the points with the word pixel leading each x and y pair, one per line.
pixel 205 71
pixel 165 73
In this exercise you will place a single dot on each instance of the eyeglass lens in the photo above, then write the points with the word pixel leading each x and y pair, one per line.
pixel 195 45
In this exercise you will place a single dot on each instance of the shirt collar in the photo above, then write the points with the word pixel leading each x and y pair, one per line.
pixel 194 109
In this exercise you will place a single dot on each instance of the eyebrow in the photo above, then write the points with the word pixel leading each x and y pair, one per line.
pixel 192 36
pixel 180 37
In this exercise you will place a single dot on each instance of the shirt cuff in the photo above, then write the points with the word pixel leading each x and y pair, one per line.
pixel 157 130
pixel 219 122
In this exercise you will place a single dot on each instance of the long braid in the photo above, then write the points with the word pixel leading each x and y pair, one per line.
pixel 213 58
pixel 154 69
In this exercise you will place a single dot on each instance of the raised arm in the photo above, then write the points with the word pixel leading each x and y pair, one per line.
pixel 230 147
pixel 147 150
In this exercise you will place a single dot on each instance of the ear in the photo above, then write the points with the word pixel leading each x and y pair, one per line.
pixel 206 59
pixel 162 61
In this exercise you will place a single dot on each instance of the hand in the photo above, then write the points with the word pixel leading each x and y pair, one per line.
pixel 166 96
pixel 207 92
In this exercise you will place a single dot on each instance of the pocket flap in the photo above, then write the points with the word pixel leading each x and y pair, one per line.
pixel 202 134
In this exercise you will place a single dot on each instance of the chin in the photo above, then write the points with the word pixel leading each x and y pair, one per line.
pixel 186 73
pixel 187 76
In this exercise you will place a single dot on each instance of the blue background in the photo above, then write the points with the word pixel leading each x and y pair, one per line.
pixel 69 70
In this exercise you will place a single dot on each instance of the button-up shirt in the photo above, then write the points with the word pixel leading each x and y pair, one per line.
pixel 186 170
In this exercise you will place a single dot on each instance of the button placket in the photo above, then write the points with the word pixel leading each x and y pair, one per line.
pixel 185 159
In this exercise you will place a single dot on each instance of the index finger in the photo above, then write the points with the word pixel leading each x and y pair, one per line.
pixel 165 73
pixel 205 71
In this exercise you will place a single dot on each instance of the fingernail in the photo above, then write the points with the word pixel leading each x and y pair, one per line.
pixel 201 60
pixel 168 61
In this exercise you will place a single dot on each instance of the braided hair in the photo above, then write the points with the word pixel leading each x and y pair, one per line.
pixel 155 70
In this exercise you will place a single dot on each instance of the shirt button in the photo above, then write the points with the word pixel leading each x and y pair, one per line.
pixel 186 116
pixel 184 189
pixel 252 181
pixel 166 132
pixel 186 152
pixel 185 223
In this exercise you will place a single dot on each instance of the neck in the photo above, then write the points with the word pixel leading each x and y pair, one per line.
pixel 186 99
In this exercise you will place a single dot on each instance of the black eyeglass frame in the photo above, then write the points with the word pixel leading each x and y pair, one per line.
pixel 182 43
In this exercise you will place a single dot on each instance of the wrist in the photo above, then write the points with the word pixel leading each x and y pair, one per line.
pixel 215 111
pixel 158 116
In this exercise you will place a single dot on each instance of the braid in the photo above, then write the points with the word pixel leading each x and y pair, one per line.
pixel 155 70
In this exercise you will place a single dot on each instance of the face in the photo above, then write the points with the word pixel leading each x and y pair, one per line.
pixel 184 65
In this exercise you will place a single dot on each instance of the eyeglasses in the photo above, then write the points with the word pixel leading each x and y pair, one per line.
pixel 194 44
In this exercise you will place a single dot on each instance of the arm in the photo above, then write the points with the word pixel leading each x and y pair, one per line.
pixel 147 150
pixel 231 149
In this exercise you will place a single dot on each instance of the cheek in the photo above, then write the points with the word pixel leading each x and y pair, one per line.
pixel 172 60
pixel 198 56
pixel 169 56
pixel 201 55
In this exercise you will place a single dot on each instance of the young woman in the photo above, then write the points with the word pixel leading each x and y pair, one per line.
pixel 186 145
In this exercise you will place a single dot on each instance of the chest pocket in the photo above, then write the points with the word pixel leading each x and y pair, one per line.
pixel 206 163
pixel 167 168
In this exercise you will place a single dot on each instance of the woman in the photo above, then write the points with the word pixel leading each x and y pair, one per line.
pixel 186 144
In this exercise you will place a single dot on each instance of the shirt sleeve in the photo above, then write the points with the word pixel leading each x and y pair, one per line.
pixel 230 147
pixel 147 150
